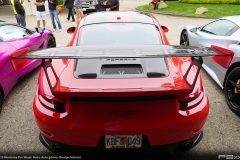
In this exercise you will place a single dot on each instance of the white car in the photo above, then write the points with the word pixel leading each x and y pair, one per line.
pixel 223 32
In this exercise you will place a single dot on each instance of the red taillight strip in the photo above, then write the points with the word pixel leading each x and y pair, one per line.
pixel 51 104
pixel 191 102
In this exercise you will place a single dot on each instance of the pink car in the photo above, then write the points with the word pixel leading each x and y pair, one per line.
pixel 14 38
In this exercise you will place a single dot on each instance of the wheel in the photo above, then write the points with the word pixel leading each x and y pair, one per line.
pixel 184 39
pixel 51 43
pixel 1 101
pixel 232 90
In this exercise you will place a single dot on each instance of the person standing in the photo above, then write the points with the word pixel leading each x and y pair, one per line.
pixel 113 5
pixel 52 4
pixel 78 10
pixel 20 13
pixel 14 10
pixel 100 6
pixel 41 12
pixel 69 5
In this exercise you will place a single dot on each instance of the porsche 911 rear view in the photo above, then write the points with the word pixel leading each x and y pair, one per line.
pixel 111 96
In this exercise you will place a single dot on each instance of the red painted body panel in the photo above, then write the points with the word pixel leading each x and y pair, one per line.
pixel 161 121
pixel 164 38
pixel 83 123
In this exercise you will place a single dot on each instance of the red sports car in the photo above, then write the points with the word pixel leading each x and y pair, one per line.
pixel 120 87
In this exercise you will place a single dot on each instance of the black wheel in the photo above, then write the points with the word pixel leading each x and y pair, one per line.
pixel 51 43
pixel 184 39
pixel 1 101
pixel 232 90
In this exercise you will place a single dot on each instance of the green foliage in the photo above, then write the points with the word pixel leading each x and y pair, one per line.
pixel 186 9
pixel 210 1
pixel 60 1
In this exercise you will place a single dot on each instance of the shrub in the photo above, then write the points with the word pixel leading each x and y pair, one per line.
pixel 60 1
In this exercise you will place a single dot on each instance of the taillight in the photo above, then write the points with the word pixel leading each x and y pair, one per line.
pixel 52 104
pixel 191 100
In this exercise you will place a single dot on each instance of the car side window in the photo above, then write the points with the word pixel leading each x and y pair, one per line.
pixel 12 32
pixel 220 27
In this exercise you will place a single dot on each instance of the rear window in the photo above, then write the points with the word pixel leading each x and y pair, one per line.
pixel 118 34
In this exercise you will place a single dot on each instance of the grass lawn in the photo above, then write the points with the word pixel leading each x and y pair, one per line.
pixel 214 10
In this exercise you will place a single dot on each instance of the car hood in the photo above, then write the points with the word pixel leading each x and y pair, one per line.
pixel 188 27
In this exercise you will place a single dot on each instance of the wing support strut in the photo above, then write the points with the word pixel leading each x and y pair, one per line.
pixel 48 64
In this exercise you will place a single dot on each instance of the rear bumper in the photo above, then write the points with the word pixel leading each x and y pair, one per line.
pixel 84 125
pixel 100 150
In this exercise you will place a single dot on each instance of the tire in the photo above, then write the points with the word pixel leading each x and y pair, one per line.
pixel 184 40
pixel 51 43
pixel 232 90
pixel 1 100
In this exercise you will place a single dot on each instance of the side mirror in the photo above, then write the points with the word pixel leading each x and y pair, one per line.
pixel 39 30
pixel 165 29
pixel 193 30
pixel 71 30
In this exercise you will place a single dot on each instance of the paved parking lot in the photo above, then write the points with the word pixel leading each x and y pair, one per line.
pixel 19 133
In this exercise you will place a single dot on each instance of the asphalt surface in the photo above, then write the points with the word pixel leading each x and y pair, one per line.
pixel 19 133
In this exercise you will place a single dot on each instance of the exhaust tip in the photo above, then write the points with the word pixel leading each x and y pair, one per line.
pixel 59 150
pixel 185 147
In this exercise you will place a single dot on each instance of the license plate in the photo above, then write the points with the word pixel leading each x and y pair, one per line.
pixel 123 141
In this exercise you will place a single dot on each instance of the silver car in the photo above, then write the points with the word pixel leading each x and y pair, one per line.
pixel 223 32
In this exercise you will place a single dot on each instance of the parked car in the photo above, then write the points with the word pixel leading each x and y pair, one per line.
pixel 120 87
pixel 14 38
pixel 224 32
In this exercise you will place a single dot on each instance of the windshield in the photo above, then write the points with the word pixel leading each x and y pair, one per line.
pixel 119 33
pixel 12 32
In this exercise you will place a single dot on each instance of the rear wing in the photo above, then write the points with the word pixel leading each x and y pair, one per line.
pixel 124 51
pixel 120 51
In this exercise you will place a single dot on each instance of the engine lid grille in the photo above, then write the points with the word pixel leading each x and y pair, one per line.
pixel 121 69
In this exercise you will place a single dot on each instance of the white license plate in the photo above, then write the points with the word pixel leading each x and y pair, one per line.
pixel 123 141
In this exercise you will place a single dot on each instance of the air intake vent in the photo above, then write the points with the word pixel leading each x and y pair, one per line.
pixel 122 59
pixel 122 69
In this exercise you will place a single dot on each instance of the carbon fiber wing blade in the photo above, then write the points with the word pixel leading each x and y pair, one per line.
pixel 120 51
